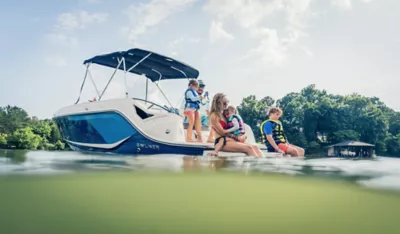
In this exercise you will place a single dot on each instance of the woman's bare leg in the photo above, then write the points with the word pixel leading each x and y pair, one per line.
pixel 257 151
pixel 234 146
pixel 295 151
pixel 210 138
pixel 217 147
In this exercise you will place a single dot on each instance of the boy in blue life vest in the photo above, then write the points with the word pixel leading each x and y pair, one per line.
pixel 192 105
pixel 235 126
pixel 274 137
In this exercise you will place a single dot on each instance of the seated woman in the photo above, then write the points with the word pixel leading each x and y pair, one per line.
pixel 231 142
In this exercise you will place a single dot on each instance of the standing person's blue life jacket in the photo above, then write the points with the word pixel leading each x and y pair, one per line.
pixel 189 102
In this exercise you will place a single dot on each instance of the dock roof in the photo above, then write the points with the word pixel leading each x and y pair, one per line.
pixel 351 143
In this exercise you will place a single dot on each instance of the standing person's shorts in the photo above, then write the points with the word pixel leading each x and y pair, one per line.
pixel 189 111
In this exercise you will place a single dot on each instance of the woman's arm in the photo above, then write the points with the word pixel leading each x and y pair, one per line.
pixel 216 125
pixel 219 129
pixel 234 128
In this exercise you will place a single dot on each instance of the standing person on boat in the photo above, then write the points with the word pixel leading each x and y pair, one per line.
pixel 204 110
pixel 192 105
pixel 231 143
pixel 274 137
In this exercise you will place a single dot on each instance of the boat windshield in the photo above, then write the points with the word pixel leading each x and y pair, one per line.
pixel 153 107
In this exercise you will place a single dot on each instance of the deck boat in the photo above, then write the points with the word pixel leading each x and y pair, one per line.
pixel 133 125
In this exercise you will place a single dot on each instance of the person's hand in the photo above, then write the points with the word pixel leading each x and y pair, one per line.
pixel 242 138
pixel 281 151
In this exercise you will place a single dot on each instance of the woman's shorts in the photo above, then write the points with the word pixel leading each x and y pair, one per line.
pixel 220 138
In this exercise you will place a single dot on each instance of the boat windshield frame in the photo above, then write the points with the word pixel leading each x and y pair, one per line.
pixel 122 62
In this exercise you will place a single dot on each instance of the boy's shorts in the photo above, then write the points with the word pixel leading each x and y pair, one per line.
pixel 283 146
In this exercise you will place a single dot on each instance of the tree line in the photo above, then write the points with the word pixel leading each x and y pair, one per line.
pixel 313 119
pixel 19 131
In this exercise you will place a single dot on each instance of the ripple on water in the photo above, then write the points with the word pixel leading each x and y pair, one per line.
pixel 381 173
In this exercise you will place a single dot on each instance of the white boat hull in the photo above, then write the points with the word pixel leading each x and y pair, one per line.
pixel 129 126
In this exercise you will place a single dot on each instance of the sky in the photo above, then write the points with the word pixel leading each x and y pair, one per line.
pixel 240 47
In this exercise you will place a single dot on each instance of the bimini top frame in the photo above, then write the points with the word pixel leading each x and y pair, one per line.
pixel 154 66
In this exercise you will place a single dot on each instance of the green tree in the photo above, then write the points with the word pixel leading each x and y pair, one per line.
pixel 55 133
pixel 313 147
pixel 343 135
pixel 24 138
pixel 12 118
pixel 3 140
pixel 41 128
pixel 313 118
pixel 313 95
pixel 59 145
pixel 293 116
pixel 393 145
pixel 255 111
pixel 394 123
pixel 3 115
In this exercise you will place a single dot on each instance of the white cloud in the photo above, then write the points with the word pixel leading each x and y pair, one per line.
pixel 254 16
pixel 176 45
pixel 297 13
pixel 93 1
pixel 217 32
pixel 63 39
pixel 271 48
pixel 57 61
pixel 346 4
pixel 246 13
pixel 79 20
pixel 64 31
pixel 307 51
pixel 143 16
pixel 343 4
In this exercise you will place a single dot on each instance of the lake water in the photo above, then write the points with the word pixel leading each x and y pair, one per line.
pixel 379 173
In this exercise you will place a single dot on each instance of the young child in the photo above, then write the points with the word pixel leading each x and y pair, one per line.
pixel 192 106
pixel 235 126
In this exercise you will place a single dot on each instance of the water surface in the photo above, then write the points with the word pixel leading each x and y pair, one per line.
pixel 378 173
